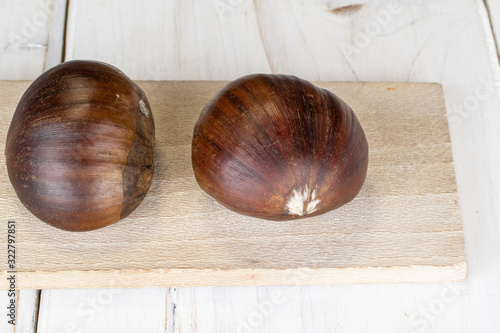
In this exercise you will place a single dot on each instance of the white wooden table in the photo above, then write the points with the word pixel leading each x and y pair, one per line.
pixel 444 41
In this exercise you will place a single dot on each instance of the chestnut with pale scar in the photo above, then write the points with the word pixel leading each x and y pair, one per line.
pixel 277 147
pixel 80 147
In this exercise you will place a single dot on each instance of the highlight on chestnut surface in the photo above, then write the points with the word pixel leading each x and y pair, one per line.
pixel 80 147
pixel 277 147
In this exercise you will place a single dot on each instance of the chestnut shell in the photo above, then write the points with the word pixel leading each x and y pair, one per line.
pixel 277 147
pixel 80 147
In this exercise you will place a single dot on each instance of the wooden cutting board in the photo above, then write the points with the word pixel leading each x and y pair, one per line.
pixel 404 226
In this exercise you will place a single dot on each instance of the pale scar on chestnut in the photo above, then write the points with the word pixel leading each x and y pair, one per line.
pixel 301 202
pixel 80 155
pixel 144 109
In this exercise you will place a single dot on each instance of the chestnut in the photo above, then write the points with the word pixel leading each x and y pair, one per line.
pixel 277 147
pixel 80 147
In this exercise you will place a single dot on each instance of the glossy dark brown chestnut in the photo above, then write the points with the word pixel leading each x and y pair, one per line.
pixel 277 147
pixel 80 148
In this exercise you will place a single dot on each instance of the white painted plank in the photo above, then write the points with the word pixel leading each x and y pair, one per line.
pixel 30 41
pixel 26 311
pixel 116 46
pixel 188 51
pixel 170 40
pixel 30 38
pixel 494 14
pixel 102 310
pixel 55 43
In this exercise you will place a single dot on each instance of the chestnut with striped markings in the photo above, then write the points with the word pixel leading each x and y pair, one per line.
pixel 277 147
pixel 80 147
